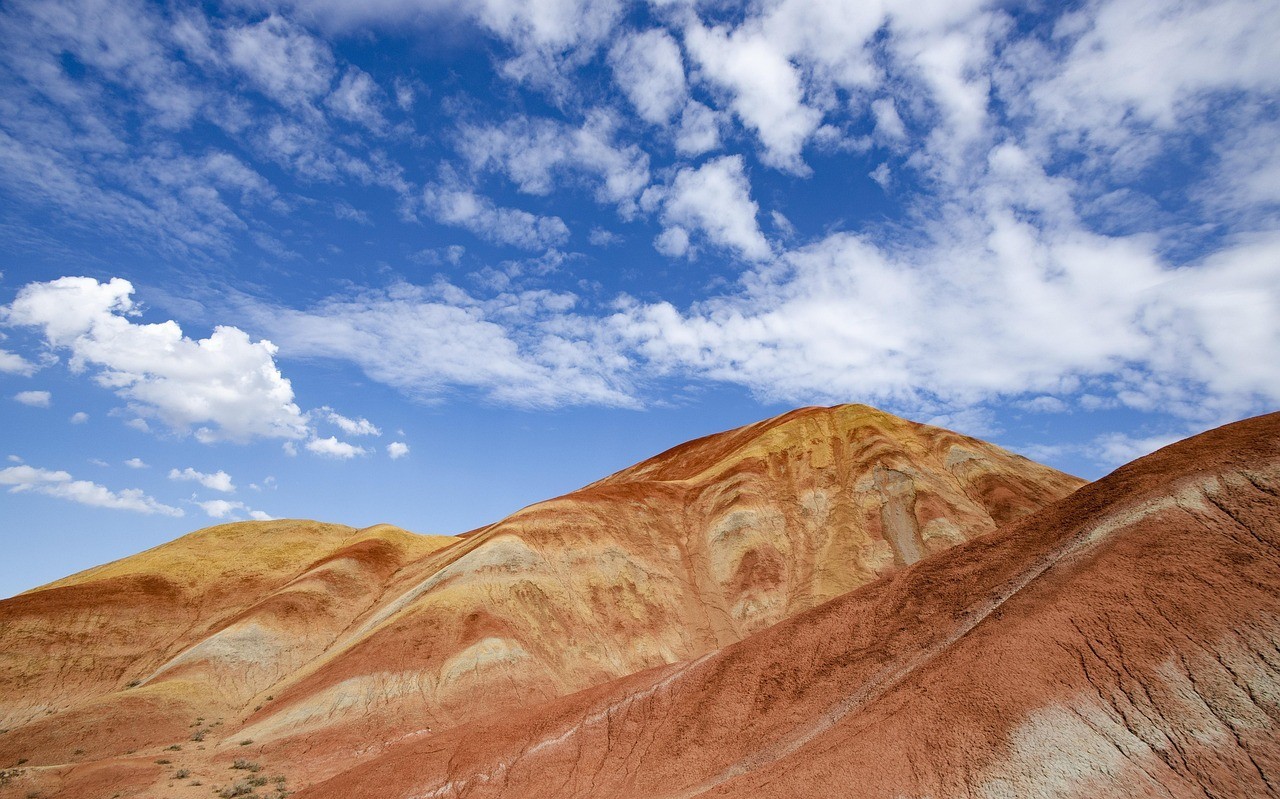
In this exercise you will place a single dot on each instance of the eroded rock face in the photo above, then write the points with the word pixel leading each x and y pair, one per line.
pixel 1124 642
pixel 322 644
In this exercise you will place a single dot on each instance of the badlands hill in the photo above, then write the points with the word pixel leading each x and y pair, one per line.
pixel 1124 642
pixel 778 580
pixel 303 650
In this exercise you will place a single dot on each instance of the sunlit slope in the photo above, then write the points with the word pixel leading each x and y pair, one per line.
pixel 322 644
pixel 128 653
pixel 1120 643
pixel 679 555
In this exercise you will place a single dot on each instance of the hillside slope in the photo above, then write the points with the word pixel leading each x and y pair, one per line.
pixel 1124 642
pixel 322 645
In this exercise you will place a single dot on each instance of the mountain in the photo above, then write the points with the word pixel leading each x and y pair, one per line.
pixel 305 647
pixel 1124 642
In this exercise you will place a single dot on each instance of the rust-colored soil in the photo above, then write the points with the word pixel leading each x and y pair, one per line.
pixel 305 649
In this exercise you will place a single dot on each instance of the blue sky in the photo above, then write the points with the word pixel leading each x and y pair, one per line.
pixel 426 262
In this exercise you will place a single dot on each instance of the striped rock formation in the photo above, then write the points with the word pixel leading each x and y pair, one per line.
pixel 323 646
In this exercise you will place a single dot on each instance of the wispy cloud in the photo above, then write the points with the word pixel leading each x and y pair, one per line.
pixel 61 485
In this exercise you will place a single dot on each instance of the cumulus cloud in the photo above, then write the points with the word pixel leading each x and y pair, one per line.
pixel 397 450
pixel 715 200
pixel 226 386
pixel 136 463
pixel 60 484
pixel 79 417
pixel 36 399
pixel 216 481
pixel 650 71
pixel 331 447
pixel 699 129
pixel 768 95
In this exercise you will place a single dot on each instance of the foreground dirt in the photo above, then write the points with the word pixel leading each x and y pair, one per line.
pixel 1124 642
pixel 296 649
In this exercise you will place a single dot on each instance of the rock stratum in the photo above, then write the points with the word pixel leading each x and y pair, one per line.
pixel 832 602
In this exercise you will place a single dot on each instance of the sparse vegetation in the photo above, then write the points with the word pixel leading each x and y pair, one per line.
pixel 21 760
pixel 246 742
pixel 78 752
pixel 133 683
pixel 241 788
pixel 175 748
pixel 198 735
pixel 181 774
pixel 246 765
pixel 163 762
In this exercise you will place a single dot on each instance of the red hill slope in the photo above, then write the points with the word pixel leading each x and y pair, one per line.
pixel 321 645
pixel 1124 642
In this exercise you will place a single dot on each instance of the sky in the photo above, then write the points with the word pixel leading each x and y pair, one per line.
pixel 426 262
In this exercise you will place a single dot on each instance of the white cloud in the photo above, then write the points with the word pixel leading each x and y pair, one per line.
pixel 358 99
pixel 352 427
pixel 600 237
pixel 14 364
pixel 290 449
pixel 650 70
pixel 699 130
pixel 1116 449
pixel 397 450
pixel 537 153
pixel 226 386
pixel 230 510
pixel 331 447
pixel 452 205
pixel 888 124
pixel 672 242
pixel 217 481
pixel 136 463
pixel 714 199
pixel 220 508
pixel 61 485
pixel 284 61
pixel 36 399
pixel 1013 311
pixel 766 88
pixel 522 348
pixel 1133 64
pixel 79 417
